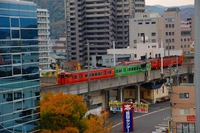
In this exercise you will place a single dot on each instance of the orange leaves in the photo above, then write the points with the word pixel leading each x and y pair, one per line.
pixel 66 130
pixel 62 111
pixel 99 124
pixel 65 113
pixel 60 103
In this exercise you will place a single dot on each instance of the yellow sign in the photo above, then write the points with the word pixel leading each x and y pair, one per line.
pixel 141 108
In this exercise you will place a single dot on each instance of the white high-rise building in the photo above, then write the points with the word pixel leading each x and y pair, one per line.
pixel 43 38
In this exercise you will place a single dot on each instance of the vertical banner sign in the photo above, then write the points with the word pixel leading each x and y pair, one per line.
pixel 127 112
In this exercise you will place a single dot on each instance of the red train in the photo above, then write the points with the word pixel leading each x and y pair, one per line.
pixel 95 74
pixel 156 62
pixel 81 76
pixel 172 60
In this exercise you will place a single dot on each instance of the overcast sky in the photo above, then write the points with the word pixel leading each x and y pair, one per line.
pixel 169 2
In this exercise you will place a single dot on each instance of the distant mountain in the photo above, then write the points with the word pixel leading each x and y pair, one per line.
pixel 56 13
pixel 187 11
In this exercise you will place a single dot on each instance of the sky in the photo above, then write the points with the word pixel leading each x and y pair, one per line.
pixel 169 2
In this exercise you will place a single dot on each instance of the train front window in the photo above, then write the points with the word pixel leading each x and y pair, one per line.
pixel 66 76
pixel 61 76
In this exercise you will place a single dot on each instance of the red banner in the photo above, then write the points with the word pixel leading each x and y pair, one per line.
pixel 191 118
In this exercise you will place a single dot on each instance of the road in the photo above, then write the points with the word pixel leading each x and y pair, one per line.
pixel 144 123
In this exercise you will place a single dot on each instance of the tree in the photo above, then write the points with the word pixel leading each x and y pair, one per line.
pixel 66 113
pixel 62 111
pixel 99 124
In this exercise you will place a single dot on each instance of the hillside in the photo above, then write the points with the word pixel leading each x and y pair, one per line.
pixel 187 11
pixel 56 13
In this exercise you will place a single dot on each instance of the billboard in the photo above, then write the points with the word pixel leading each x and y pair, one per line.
pixel 127 117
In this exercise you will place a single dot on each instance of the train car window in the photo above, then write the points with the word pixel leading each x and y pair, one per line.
pixel 96 74
pixel 66 76
pixel 75 77
pixel 117 71
pixel 120 70
pixel 92 74
pixel 109 72
pixel 86 75
pixel 105 72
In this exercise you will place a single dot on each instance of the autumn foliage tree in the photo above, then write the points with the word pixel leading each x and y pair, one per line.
pixel 66 113
pixel 99 124
pixel 63 112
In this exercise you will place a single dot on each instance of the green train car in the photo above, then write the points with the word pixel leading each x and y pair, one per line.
pixel 132 69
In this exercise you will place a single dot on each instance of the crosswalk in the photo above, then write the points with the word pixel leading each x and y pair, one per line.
pixel 161 128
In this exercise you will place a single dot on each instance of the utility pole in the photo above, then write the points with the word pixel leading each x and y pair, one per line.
pixel 162 54
pixel 196 63
pixel 88 60
pixel 168 47
pixel 114 53
pixel 170 86
pixel 177 78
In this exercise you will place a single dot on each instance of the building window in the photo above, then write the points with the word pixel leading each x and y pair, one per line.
pixel 135 55
pixel 183 95
pixel 184 111
pixel 185 127
pixel 153 34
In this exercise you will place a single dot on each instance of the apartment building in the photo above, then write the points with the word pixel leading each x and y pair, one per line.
pixel 43 38
pixel 183 109
pixel 98 23
pixel 19 67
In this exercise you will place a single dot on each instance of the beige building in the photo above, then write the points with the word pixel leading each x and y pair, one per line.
pixel 152 28
pixel 143 29
pixel 186 37
pixel 183 109
pixel 171 29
